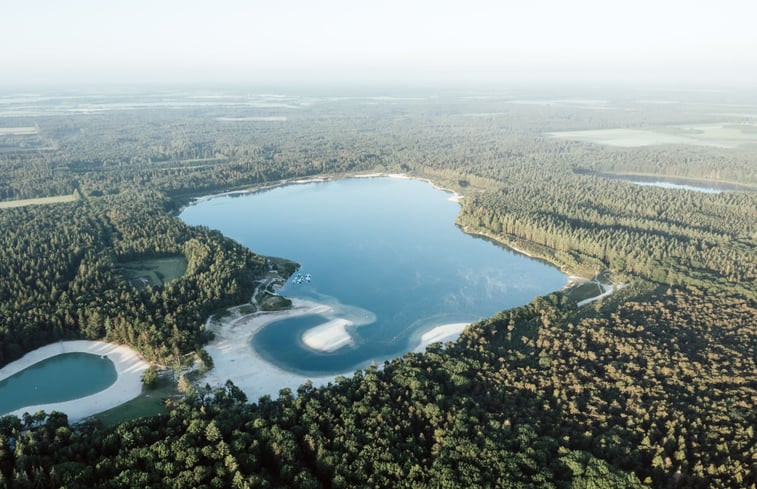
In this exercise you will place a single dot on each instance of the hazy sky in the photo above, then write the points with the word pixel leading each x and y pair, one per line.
pixel 153 41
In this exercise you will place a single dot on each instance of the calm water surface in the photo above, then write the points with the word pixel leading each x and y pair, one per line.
pixel 385 253
pixel 677 186
pixel 57 379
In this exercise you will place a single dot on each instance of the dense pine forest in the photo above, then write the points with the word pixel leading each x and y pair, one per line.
pixel 61 278
pixel 654 386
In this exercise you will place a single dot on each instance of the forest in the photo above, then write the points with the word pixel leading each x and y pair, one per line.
pixel 653 387
pixel 61 277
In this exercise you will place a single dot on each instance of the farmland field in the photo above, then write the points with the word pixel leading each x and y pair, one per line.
pixel 17 131
pixel 9 204
pixel 715 135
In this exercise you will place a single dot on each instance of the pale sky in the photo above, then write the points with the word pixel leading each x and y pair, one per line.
pixel 232 41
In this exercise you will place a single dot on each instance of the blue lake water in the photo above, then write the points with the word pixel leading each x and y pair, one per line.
pixel 60 378
pixel 381 251
pixel 677 186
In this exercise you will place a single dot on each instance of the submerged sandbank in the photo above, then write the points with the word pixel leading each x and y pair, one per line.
pixel 235 359
pixel 329 336
pixel 128 363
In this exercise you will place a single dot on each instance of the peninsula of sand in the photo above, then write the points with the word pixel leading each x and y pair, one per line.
pixel 129 367
pixel 235 359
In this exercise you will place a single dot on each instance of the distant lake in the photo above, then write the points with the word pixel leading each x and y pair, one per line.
pixel 673 183
pixel 56 379
pixel 678 183
pixel 381 251
pixel 676 186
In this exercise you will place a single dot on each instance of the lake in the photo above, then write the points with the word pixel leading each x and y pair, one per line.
pixel 675 186
pixel 707 187
pixel 672 183
pixel 384 253
pixel 57 379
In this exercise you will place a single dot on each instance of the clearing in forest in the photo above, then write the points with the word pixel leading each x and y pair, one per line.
pixel 153 271
pixel 9 204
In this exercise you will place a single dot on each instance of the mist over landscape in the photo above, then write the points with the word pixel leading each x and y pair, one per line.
pixel 334 244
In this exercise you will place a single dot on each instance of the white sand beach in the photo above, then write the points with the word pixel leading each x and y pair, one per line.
pixel 235 359
pixel 329 336
pixel 455 197
pixel 443 333
pixel 128 385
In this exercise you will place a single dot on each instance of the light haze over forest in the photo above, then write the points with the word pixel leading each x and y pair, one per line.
pixel 49 42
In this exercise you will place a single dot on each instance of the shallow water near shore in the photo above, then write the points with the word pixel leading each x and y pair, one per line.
pixel 384 253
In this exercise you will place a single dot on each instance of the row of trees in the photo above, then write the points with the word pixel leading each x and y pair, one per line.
pixel 669 237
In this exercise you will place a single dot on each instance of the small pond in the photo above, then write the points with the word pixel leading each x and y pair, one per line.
pixel 57 379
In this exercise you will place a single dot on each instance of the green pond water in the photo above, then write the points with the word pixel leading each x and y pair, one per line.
pixel 60 378
pixel 384 253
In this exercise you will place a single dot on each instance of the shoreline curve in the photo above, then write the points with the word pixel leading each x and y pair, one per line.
pixel 129 369
pixel 235 359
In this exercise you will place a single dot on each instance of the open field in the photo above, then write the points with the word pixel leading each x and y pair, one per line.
pixel 18 131
pixel 715 135
pixel 153 271
pixel 253 119
pixel 58 199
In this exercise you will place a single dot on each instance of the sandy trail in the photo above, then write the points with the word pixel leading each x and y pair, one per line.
pixel 608 289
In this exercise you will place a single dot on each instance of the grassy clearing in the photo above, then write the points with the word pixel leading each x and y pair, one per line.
pixel 582 291
pixel 275 303
pixel 150 403
pixel 10 204
pixel 155 272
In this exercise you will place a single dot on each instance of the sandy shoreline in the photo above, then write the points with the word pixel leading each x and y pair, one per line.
pixel 235 359
pixel 440 334
pixel 455 197
pixel 128 385
pixel 329 336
